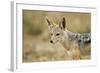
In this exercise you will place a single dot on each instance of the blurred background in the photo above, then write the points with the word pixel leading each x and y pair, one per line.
pixel 36 45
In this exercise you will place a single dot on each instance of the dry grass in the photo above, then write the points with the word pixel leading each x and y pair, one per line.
pixel 36 46
pixel 36 50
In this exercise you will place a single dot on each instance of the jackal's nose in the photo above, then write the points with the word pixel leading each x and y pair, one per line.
pixel 51 41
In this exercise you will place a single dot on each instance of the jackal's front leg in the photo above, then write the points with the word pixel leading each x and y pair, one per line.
pixel 76 54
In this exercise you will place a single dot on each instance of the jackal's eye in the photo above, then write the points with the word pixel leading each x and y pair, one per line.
pixel 51 34
pixel 57 34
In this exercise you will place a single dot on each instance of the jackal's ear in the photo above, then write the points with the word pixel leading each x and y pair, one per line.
pixel 48 21
pixel 62 24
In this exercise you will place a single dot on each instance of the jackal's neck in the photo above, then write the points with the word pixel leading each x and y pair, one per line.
pixel 65 40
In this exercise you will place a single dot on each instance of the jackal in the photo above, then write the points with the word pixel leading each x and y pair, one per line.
pixel 71 41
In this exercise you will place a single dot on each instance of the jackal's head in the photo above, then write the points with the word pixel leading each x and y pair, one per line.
pixel 56 30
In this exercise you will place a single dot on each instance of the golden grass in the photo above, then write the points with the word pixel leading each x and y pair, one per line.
pixel 35 50
pixel 36 46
